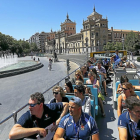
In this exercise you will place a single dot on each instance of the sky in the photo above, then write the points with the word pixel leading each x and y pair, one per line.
pixel 23 18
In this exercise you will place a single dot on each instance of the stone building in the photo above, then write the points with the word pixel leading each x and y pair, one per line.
pixel 94 35
pixel 39 39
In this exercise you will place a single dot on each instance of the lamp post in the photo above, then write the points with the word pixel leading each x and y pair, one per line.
pixel 123 42
pixel 54 48
pixel 86 48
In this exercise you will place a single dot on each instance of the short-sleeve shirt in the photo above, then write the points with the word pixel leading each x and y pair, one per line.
pixel 83 129
pixel 51 114
pixel 116 57
pixel 125 122
pixel 64 99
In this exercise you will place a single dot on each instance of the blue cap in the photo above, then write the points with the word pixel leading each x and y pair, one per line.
pixel 76 100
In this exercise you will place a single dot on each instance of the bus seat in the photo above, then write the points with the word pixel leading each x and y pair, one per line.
pixel 85 79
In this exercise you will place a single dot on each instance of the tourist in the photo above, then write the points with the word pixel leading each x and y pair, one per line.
pixel 77 124
pixel 78 76
pixel 128 91
pixel 101 71
pixel 84 71
pixel 95 82
pixel 79 91
pixel 39 116
pixel 68 87
pixel 59 95
pixel 129 122
pixel 115 56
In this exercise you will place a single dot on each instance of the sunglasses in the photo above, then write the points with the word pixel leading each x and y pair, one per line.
pixel 32 105
pixel 77 74
pixel 55 92
pixel 125 89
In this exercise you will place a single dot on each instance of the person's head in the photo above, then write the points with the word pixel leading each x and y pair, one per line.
pixel 75 106
pixel 89 63
pixel 94 71
pixel 87 90
pixel 79 91
pixel 128 89
pixel 124 58
pixel 133 105
pixel 78 82
pixel 128 64
pixel 91 76
pixel 123 79
pixel 68 87
pixel 58 92
pixel 84 69
pixel 36 103
pixel 78 75
pixel 99 64
pixel 116 51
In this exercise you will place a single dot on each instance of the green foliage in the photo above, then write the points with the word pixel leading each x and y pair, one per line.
pixel 113 46
pixel 131 41
pixel 9 44
pixel 138 59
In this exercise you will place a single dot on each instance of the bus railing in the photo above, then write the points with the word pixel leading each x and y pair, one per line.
pixel 14 114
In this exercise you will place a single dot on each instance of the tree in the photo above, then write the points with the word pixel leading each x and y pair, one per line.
pixel 131 41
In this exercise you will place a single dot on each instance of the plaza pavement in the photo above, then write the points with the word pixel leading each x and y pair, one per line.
pixel 16 90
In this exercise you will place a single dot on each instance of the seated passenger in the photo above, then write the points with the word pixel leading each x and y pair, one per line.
pixel 78 76
pixel 88 91
pixel 129 65
pixel 89 65
pixel 128 91
pixel 101 70
pixel 106 64
pixel 79 91
pixel 129 122
pixel 59 95
pixel 77 125
pixel 119 60
pixel 84 71
pixel 68 87
pixel 92 80
pixel 41 115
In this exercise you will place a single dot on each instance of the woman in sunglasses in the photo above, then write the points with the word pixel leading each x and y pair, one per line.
pixel 84 71
pixel 128 91
pixel 59 95
pixel 78 76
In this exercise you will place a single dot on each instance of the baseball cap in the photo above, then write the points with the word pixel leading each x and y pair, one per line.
pixel 76 100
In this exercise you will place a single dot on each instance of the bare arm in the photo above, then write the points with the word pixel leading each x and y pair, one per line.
pixel 122 133
pixel 18 132
pixel 64 112
pixel 119 110
pixel 95 136
pixel 119 89
pixel 59 134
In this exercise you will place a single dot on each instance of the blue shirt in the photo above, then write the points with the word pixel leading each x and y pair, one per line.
pixel 83 129
pixel 117 61
pixel 116 57
pixel 125 122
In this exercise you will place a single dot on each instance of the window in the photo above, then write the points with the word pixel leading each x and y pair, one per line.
pixel 96 34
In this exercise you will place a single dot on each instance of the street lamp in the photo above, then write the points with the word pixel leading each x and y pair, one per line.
pixel 54 48
pixel 123 42
pixel 87 47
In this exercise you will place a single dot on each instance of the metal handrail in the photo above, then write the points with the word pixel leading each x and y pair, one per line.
pixel 14 114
